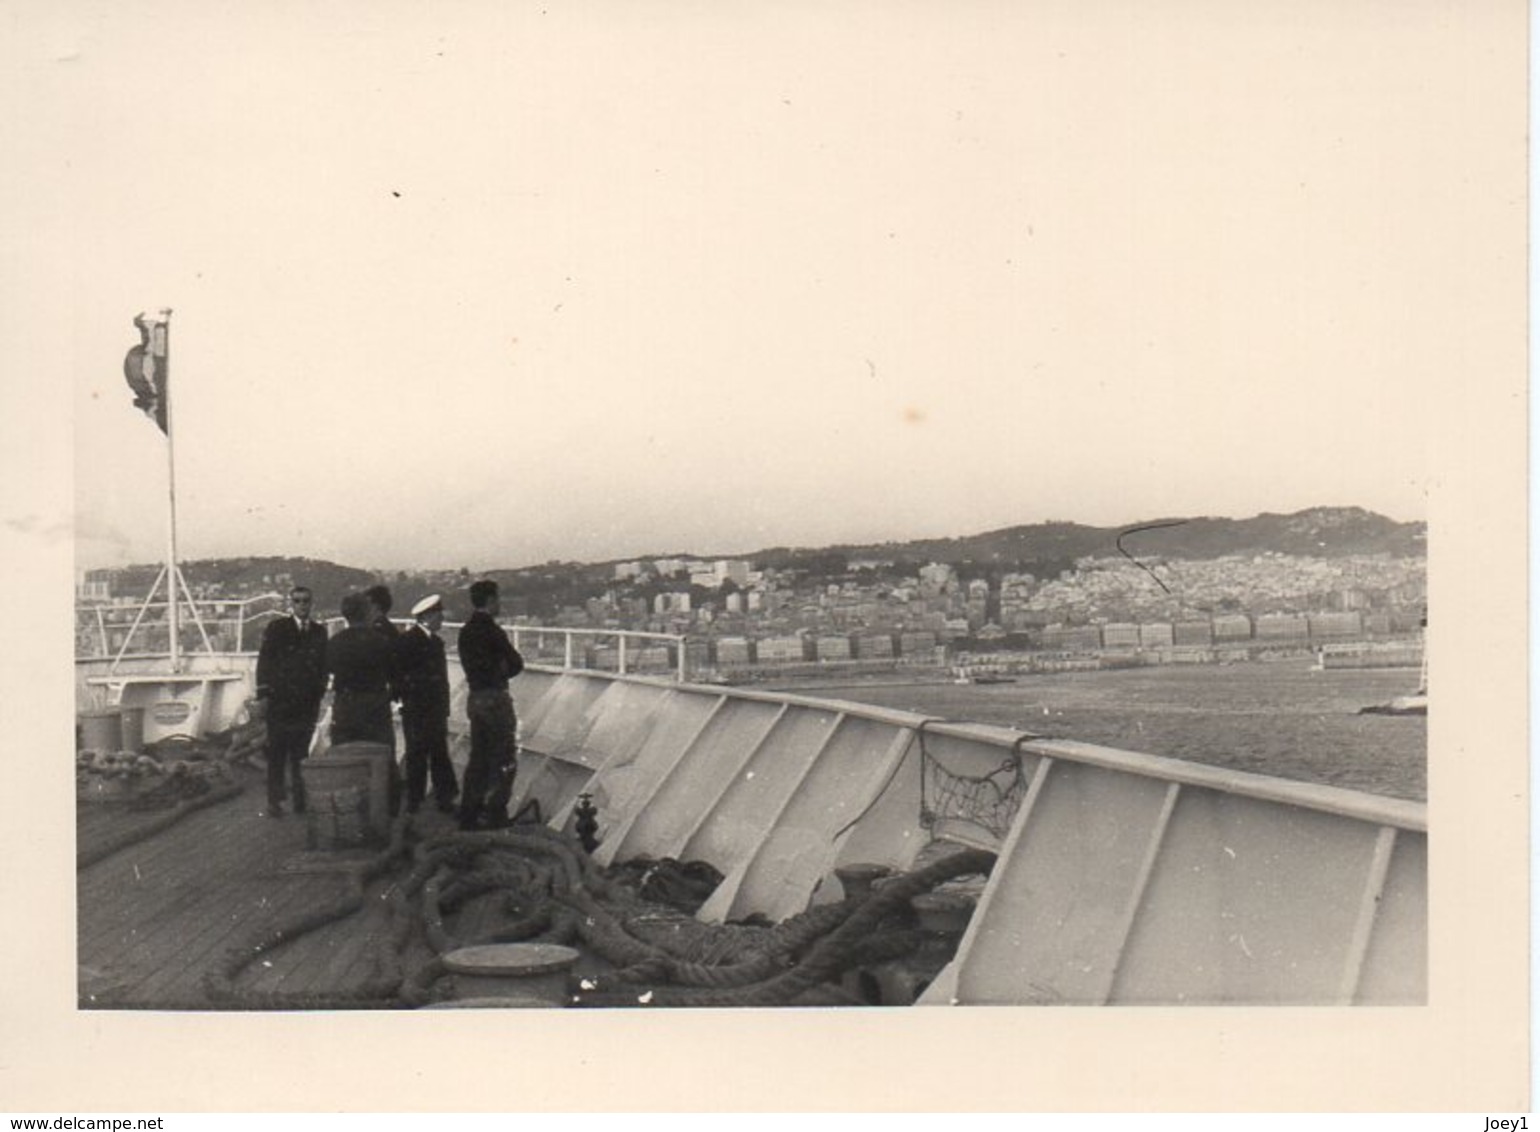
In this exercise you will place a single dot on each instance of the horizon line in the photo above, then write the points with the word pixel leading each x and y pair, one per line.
pixel 790 547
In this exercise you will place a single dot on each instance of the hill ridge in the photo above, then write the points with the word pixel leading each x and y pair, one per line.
pixel 1327 532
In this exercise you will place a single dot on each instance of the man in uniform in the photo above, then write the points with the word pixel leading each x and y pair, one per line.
pixel 291 679
pixel 490 661
pixel 422 678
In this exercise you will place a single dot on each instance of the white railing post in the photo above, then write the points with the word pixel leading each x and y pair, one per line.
pixel 520 636
pixel 134 628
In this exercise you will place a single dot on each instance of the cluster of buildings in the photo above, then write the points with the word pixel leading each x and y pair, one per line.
pixel 1171 589
pixel 733 614
pixel 730 597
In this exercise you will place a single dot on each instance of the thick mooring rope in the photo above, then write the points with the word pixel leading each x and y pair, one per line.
pixel 554 893
pixel 380 991
pixel 850 944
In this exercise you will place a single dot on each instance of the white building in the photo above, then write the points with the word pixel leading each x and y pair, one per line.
pixel 89 589
pixel 671 603
pixel 735 570
pixel 936 577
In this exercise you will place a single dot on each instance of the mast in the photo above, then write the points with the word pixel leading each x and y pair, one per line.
pixel 173 574
pixel 147 368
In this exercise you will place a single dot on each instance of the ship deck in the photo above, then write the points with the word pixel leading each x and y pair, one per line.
pixel 168 899
pixel 157 915
pixel 1186 866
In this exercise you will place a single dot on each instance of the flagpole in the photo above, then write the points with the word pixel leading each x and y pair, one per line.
pixel 171 567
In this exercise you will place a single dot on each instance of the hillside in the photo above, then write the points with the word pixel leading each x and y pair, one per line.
pixel 1044 548
pixel 237 576
pixel 1320 532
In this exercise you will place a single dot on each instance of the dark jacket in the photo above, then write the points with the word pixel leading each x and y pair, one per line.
pixel 422 673
pixel 388 629
pixel 291 670
pixel 360 660
pixel 486 654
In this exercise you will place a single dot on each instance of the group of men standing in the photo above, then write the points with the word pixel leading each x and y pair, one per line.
pixel 370 664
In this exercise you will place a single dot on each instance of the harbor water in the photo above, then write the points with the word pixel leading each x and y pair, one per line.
pixel 1279 718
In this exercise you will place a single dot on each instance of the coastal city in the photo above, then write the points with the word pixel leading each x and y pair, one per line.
pixel 738 617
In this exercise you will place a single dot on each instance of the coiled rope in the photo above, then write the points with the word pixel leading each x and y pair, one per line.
pixel 850 944
pixel 553 892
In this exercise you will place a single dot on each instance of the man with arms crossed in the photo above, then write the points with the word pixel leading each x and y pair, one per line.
pixel 490 661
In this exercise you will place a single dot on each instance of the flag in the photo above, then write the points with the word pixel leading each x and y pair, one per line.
pixel 147 367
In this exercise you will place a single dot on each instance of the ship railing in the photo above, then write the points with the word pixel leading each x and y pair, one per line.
pixel 1121 877
pixel 230 626
pixel 141 630
pixel 622 652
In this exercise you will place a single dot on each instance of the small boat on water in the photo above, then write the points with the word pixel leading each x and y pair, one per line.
pixel 970 676
pixel 1414 704
pixel 1417 702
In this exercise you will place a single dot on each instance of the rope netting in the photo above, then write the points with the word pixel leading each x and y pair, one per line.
pixel 989 801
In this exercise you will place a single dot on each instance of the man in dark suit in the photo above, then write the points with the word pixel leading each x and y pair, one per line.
pixel 380 603
pixel 422 677
pixel 362 662
pixel 360 659
pixel 291 679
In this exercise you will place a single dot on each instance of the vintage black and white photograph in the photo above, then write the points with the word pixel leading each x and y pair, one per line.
pixel 872 511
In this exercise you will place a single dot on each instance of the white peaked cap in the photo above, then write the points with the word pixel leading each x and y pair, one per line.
pixel 426 606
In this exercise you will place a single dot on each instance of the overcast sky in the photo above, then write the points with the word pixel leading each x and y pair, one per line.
pixel 486 284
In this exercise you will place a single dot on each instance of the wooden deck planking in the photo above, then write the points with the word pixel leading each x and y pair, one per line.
pixel 177 967
pixel 207 848
pixel 367 934
pixel 155 917
pixel 290 967
pixel 135 907
pixel 185 946
pixel 261 907
pixel 102 891
pixel 145 939
pixel 320 960
pixel 167 874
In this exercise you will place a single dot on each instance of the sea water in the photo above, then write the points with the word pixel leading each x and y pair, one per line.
pixel 1279 718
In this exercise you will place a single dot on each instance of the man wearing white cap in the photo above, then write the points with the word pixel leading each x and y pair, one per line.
pixel 423 681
